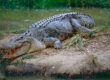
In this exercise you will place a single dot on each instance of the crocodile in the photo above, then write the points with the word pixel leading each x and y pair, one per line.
pixel 48 32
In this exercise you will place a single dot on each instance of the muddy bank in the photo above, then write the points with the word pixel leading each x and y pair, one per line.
pixel 71 61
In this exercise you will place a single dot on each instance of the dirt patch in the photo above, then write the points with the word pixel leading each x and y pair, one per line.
pixel 71 60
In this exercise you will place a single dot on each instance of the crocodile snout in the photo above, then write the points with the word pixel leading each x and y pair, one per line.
pixel 16 49
pixel 13 51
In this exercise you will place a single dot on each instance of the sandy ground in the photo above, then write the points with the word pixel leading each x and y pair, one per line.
pixel 71 61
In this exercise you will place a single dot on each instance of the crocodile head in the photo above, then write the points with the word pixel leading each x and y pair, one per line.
pixel 19 47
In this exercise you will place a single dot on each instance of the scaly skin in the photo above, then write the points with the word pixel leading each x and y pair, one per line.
pixel 47 32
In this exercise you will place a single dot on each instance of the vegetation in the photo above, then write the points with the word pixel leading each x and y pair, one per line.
pixel 19 20
pixel 46 4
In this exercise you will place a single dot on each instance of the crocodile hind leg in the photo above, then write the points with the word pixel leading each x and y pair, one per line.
pixel 54 42
pixel 76 25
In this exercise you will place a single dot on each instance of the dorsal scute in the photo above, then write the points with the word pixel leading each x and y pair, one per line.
pixel 44 22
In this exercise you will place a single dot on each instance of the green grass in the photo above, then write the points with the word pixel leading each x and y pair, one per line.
pixel 19 20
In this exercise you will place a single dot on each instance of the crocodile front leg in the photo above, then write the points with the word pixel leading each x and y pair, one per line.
pixel 76 25
pixel 54 42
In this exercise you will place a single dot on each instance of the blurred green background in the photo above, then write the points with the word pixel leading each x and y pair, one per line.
pixel 47 4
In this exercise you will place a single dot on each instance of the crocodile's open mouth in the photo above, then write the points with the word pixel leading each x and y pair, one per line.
pixel 16 49
pixel 13 52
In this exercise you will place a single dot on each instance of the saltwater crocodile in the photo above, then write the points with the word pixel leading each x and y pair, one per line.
pixel 47 32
